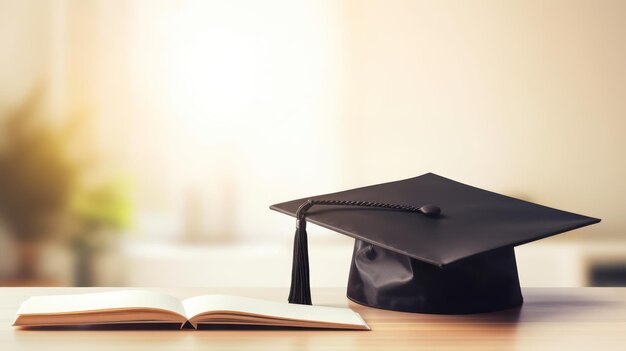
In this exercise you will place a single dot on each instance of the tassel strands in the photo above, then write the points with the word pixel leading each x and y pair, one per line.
pixel 300 291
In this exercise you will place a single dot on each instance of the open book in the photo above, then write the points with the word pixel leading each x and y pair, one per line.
pixel 143 306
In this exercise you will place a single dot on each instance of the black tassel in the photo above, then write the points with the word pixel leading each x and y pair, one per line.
pixel 300 291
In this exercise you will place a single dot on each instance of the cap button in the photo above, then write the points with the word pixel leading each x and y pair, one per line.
pixel 431 210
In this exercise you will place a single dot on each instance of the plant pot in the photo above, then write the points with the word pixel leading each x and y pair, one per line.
pixel 28 259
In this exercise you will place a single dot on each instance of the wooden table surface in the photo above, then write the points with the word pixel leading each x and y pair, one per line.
pixel 550 319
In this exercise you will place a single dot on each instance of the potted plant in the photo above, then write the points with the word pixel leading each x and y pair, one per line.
pixel 48 192
pixel 37 179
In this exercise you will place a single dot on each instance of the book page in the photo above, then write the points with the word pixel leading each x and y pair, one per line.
pixel 124 299
pixel 198 305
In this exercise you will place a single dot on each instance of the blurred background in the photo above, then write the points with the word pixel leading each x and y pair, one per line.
pixel 141 142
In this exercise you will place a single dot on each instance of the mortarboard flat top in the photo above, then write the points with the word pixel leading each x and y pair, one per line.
pixel 472 220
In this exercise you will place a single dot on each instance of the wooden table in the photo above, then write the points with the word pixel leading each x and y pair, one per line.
pixel 550 319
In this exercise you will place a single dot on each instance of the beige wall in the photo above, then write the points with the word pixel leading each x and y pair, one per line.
pixel 523 97
pixel 24 47
pixel 527 98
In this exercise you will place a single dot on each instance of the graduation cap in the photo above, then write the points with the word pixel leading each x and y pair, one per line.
pixel 427 244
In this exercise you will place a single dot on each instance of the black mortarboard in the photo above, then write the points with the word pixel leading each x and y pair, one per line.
pixel 427 244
